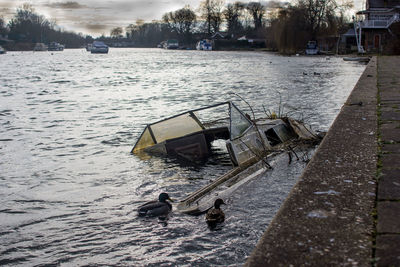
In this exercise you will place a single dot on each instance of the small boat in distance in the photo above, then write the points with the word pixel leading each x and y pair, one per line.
pixel 89 47
pixel 204 45
pixel 54 46
pixel 99 47
pixel 2 50
pixel 40 47
pixel 171 44
pixel 311 48
pixel 358 59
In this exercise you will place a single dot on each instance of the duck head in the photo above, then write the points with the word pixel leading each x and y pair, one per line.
pixel 164 197
pixel 218 202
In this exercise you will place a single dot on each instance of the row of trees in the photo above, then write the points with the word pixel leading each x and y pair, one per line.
pixel 187 25
pixel 294 25
pixel 27 27
pixel 285 27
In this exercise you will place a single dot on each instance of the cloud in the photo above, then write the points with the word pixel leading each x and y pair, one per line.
pixel 7 9
pixel 66 5
pixel 5 12
pixel 6 4
pixel 95 27
pixel 100 16
pixel 275 4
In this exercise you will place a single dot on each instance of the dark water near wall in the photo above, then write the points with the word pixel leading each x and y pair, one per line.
pixel 69 187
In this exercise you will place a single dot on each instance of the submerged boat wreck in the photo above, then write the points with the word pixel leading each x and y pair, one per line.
pixel 249 143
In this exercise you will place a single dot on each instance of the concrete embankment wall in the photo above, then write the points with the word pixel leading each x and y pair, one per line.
pixel 327 219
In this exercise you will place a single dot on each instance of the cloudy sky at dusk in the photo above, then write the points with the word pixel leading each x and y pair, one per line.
pixel 98 17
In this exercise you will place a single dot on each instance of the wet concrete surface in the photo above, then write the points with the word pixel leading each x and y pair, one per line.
pixel 387 251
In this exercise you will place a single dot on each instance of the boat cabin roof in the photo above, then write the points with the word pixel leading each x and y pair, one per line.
pixel 225 114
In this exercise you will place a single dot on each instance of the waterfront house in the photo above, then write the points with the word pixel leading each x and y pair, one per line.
pixel 328 44
pixel 374 25
pixel 348 42
pixel 4 40
pixel 219 36
pixel 254 42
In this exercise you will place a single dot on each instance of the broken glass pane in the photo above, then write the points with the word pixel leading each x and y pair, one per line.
pixel 239 123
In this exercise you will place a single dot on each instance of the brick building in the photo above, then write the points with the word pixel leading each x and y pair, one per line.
pixel 374 25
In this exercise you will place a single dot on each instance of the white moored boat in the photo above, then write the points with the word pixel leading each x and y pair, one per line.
pixel 54 46
pixel 312 48
pixel 40 47
pixel 99 47
pixel 204 45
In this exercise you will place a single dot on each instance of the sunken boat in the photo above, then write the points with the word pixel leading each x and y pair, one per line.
pixel 249 143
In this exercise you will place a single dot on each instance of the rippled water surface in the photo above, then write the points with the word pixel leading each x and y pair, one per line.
pixel 69 187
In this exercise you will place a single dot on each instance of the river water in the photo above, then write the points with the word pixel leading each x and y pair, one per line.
pixel 69 187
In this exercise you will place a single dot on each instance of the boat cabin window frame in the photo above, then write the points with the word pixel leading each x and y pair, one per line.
pixel 278 134
pixel 272 137
pixel 243 116
pixel 190 113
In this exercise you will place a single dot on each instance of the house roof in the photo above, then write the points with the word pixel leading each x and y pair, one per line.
pixel 350 32
pixel 4 39
pixel 219 35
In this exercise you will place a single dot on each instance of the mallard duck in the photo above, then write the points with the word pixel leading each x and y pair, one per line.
pixel 156 208
pixel 215 215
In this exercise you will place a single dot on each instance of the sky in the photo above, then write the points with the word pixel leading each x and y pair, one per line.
pixel 97 17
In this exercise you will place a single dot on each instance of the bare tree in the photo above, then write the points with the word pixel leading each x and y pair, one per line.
pixel 26 22
pixel 116 32
pixel 317 12
pixel 181 21
pixel 129 30
pixel 217 17
pixel 135 29
pixel 211 12
pixel 3 28
pixel 28 27
pixel 257 11
pixel 289 30
pixel 232 15
pixel 145 34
